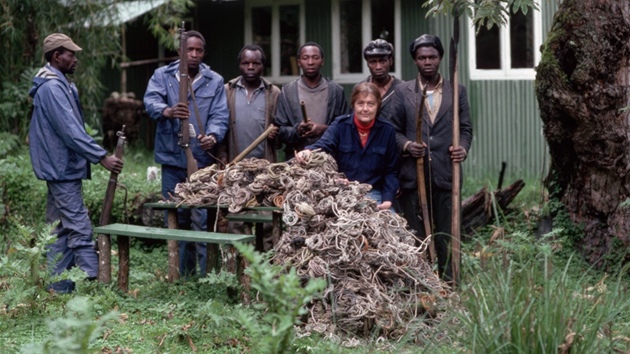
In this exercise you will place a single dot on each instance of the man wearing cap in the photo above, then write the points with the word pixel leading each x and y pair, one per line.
pixel 61 152
pixel 161 101
pixel 379 55
pixel 436 146
pixel 323 98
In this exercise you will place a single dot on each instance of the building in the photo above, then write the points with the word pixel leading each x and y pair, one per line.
pixel 496 65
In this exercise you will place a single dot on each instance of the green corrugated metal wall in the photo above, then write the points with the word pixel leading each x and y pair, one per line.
pixel 506 121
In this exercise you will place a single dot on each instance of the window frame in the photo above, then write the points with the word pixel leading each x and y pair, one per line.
pixel 506 72
pixel 366 20
pixel 275 56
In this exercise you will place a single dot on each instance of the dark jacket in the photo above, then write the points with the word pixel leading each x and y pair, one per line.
pixel 163 91
pixel 60 148
pixel 387 104
pixel 438 136
pixel 289 114
pixel 376 164
pixel 228 148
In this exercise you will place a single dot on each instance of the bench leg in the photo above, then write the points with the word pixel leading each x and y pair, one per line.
pixel 214 258
pixel 123 263
pixel 260 232
pixel 213 251
pixel 243 278
pixel 173 250
pixel 104 259
pixel 276 223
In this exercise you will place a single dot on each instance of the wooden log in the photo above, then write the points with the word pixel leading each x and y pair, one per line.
pixel 477 209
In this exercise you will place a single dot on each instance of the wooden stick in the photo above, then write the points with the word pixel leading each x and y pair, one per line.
pixel 455 217
pixel 422 186
pixel 304 116
pixel 253 145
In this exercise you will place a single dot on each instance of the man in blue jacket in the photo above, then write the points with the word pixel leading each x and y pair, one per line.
pixel 161 102
pixel 61 152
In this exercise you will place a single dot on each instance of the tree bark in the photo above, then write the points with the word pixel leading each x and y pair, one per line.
pixel 582 88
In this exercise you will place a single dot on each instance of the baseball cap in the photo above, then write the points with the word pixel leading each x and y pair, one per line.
pixel 426 40
pixel 378 47
pixel 57 40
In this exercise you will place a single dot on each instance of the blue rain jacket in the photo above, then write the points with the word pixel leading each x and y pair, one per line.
pixel 376 164
pixel 60 148
pixel 163 92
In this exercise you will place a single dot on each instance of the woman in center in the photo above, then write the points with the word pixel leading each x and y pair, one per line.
pixel 364 145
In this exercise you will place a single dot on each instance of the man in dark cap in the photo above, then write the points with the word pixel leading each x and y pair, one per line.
pixel 437 132
pixel 379 55
pixel 61 152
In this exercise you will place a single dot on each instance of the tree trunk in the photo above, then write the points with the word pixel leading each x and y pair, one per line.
pixel 582 88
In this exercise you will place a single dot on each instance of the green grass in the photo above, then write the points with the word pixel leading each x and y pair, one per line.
pixel 519 294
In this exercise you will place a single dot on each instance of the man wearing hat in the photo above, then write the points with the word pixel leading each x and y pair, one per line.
pixel 379 55
pixel 61 152
pixel 437 132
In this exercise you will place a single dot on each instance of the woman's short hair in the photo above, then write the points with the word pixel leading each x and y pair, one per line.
pixel 363 89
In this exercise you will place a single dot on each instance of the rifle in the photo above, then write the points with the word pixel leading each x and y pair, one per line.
pixel 184 133
pixel 422 190
pixel 104 242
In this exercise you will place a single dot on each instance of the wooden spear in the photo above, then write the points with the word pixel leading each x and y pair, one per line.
pixel 455 217
pixel 422 190
pixel 253 145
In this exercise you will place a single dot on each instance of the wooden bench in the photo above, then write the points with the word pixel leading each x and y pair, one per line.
pixel 124 231
pixel 251 219
pixel 275 218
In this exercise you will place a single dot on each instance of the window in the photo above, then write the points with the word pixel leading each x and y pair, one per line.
pixel 354 24
pixel 510 52
pixel 278 27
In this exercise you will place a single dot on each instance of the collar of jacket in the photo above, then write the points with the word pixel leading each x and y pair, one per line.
pixel 204 69
pixel 266 83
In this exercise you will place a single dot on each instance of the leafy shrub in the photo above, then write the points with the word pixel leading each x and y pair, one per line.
pixel 75 332
pixel 283 301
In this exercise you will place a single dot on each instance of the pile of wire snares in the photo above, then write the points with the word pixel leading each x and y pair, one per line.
pixel 379 280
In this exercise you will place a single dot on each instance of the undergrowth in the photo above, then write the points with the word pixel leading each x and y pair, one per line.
pixel 520 293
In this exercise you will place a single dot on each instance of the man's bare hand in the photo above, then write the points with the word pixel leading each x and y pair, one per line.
pixel 458 154
pixel 416 150
pixel 304 128
pixel 178 111
pixel 273 134
pixel 112 163
pixel 311 130
pixel 207 142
